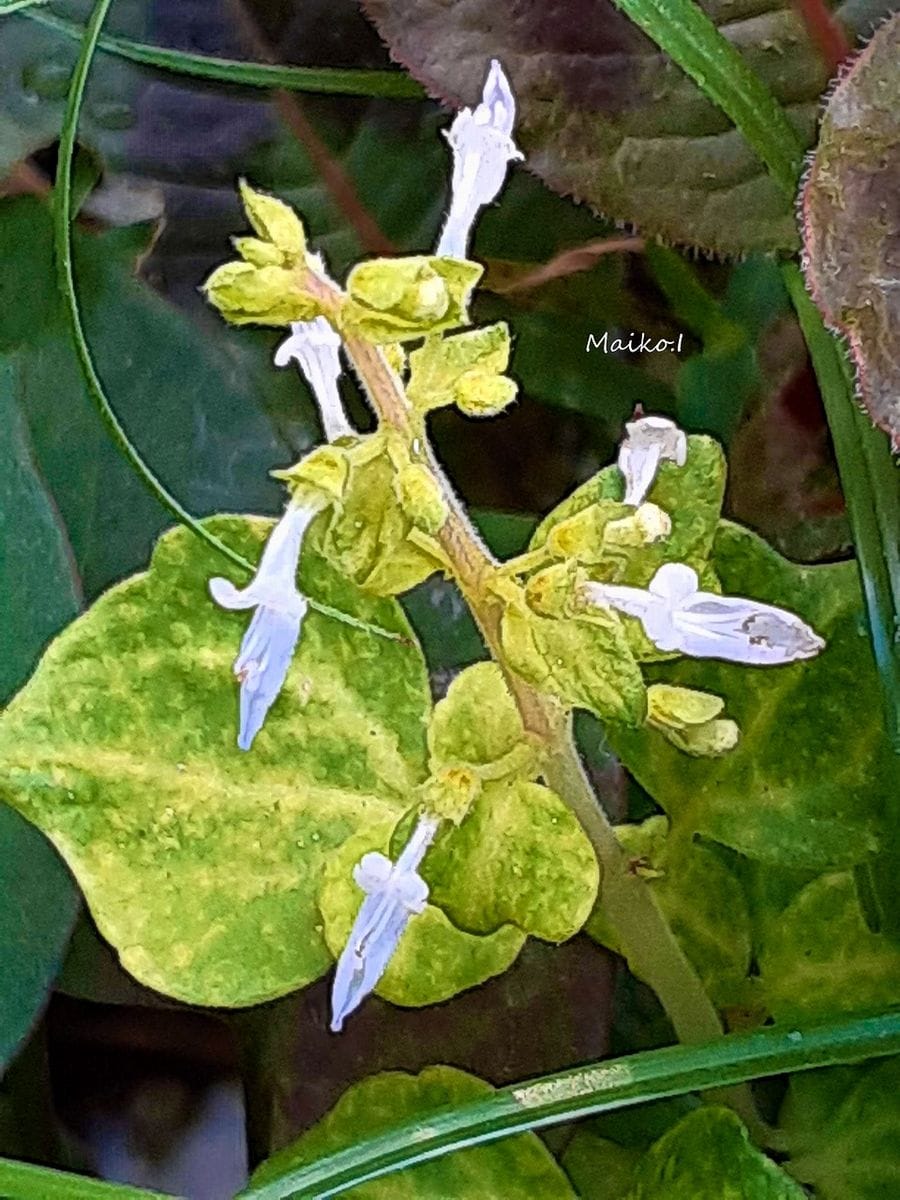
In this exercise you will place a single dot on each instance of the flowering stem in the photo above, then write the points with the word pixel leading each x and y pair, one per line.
pixel 644 934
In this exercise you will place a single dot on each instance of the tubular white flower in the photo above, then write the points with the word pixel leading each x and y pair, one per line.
pixel 395 892
pixel 677 616
pixel 648 442
pixel 482 146
pixel 271 637
pixel 315 346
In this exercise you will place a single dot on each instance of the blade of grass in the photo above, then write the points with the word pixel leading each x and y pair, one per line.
pixel 869 481
pixel 24 1181
pixel 585 1091
pixel 62 222
pixel 390 85
pixel 688 36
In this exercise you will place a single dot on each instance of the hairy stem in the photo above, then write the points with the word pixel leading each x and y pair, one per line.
pixel 644 934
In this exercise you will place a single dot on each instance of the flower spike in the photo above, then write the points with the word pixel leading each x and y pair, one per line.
pixel 315 345
pixel 648 442
pixel 271 637
pixel 677 616
pixel 482 146
pixel 395 892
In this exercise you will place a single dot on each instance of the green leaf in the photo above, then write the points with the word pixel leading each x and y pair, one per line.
pixel 841 1127
pixel 708 1156
pixel 691 496
pixel 702 899
pixel 820 958
pixel 804 787
pixel 850 261
pixel 38 906
pixel 603 115
pixel 39 590
pixel 38 594
pixel 190 399
pixel 518 1168
pixel 201 863
pixel 519 856
pixel 477 723
pixel 434 960
pixel 599 1168
pixel 585 664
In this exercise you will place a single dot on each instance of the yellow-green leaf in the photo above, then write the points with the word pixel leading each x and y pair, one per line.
pixel 201 863
pixel 516 1168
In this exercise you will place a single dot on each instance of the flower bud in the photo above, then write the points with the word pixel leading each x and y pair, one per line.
pixel 480 394
pixel 690 720
pixel 275 223
pixel 398 299
pixel 248 295
pixel 450 793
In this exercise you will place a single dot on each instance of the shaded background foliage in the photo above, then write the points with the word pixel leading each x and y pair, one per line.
pixel 212 415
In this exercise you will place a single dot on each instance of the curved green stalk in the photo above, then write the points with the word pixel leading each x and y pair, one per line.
pixel 23 1181
pixel 391 85
pixel 870 486
pixel 585 1091
pixel 62 224
pixel 690 38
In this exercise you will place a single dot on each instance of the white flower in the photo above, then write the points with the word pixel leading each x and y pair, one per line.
pixel 482 149
pixel 676 616
pixel 648 442
pixel 395 892
pixel 268 644
pixel 316 345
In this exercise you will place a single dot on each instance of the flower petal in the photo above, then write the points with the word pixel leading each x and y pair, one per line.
pixel 744 631
pixel 262 665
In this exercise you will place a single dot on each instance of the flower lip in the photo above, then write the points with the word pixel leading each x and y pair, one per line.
pixel 271 637
pixel 648 442
pixel 315 346
pixel 482 145
pixel 677 616
pixel 395 892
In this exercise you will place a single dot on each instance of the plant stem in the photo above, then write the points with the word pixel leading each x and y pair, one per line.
pixel 643 931
pixel 394 85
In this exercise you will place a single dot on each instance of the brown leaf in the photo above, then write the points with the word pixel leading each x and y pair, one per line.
pixel 607 118
pixel 851 219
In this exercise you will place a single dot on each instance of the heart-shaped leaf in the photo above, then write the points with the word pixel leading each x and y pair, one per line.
pixel 517 1168
pixel 819 958
pixel 842 1128
pixel 708 1156
pixel 805 785
pixel 201 863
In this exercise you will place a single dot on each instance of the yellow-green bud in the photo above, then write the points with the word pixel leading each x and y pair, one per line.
pixel 421 498
pixel 397 299
pixel 481 394
pixel 450 793
pixel 274 222
pixel 690 720
pixel 324 470
pixel 259 253
pixel 249 295
pixel 581 535
pixel 455 370
pixel 646 525
pixel 553 592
